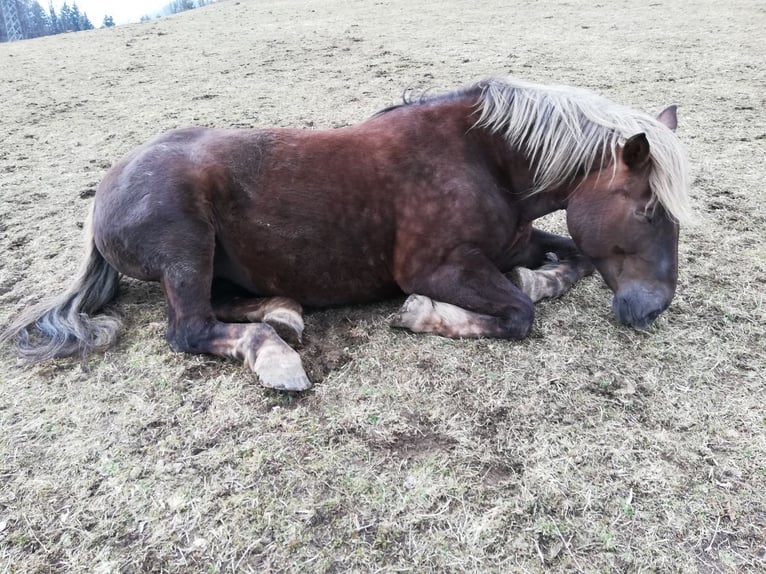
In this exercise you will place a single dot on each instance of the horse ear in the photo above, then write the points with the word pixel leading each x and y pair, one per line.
pixel 635 152
pixel 668 117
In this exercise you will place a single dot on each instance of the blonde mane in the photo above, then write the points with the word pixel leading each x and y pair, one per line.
pixel 564 131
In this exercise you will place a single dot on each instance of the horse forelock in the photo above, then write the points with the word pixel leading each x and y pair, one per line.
pixel 564 131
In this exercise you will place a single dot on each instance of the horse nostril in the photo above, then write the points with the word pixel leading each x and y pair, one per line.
pixel 638 307
pixel 653 315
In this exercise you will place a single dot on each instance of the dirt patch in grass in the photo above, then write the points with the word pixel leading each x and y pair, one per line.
pixel 587 447
pixel 331 339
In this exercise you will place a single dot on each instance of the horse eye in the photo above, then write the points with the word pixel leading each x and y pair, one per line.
pixel 644 216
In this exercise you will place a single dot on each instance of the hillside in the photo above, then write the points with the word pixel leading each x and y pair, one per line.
pixel 587 447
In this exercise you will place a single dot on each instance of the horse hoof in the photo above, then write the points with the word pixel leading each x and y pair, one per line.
pixel 527 281
pixel 281 369
pixel 287 323
pixel 413 310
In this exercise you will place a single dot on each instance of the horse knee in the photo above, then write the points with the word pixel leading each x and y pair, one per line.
pixel 518 323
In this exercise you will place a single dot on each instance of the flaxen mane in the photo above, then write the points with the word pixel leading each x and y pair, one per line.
pixel 565 130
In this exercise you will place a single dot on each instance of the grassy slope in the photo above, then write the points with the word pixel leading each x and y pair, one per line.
pixel 588 447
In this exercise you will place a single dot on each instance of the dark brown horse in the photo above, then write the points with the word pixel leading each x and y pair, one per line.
pixel 434 198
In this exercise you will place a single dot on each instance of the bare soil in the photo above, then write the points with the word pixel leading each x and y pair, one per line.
pixel 589 447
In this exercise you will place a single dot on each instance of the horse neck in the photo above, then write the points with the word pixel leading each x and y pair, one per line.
pixel 509 166
pixel 516 177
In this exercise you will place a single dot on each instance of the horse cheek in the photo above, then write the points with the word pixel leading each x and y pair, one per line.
pixel 583 231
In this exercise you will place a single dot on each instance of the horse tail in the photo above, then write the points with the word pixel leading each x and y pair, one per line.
pixel 63 326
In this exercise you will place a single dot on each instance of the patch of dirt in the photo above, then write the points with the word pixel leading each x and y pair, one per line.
pixel 418 440
pixel 330 340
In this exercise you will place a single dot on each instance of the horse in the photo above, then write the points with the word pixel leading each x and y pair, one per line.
pixel 434 198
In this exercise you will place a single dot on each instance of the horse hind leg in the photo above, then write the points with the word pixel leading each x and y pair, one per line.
pixel 194 328
pixel 172 239
pixel 186 274
pixel 258 345
pixel 284 315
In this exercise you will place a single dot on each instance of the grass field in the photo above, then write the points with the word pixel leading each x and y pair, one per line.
pixel 588 447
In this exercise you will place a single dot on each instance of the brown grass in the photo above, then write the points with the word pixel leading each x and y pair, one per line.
pixel 589 447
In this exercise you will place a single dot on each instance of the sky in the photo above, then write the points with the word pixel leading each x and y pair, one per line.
pixel 123 11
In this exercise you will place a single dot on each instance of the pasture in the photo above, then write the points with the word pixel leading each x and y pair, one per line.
pixel 588 447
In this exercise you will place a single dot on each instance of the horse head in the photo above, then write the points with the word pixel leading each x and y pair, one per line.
pixel 616 219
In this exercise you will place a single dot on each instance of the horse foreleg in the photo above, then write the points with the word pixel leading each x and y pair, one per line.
pixel 283 314
pixel 548 282
pixel 421 314
pixel 565 266
pixel 465 296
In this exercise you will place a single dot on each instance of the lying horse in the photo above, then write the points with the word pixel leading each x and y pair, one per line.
pixel 433 198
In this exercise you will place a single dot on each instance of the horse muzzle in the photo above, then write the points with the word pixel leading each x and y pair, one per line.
pixel 638 305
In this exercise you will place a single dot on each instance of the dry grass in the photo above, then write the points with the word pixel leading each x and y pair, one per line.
pixel 587 448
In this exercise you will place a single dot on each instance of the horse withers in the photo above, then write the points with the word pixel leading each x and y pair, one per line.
pixel 433 198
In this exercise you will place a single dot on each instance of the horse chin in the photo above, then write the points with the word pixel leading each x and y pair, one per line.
pixel 639 306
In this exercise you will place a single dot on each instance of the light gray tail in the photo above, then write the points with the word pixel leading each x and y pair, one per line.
pixel 64 326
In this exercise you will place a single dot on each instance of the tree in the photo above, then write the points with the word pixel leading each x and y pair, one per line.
pixel 108 21
pixel 55 27
pixel 85 23
pixel 75 18
pixel 177 6
pixel 35 21
pixel 38 22
pixel 65 18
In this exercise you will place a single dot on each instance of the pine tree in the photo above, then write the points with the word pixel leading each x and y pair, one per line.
pixel 55 26
pixel 75 18
pixel 85 23
pixel 108 21
pixel 177 6
pixel 39 21
pixel 65 18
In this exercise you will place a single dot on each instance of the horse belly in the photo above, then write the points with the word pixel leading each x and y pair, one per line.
pixel 311 268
